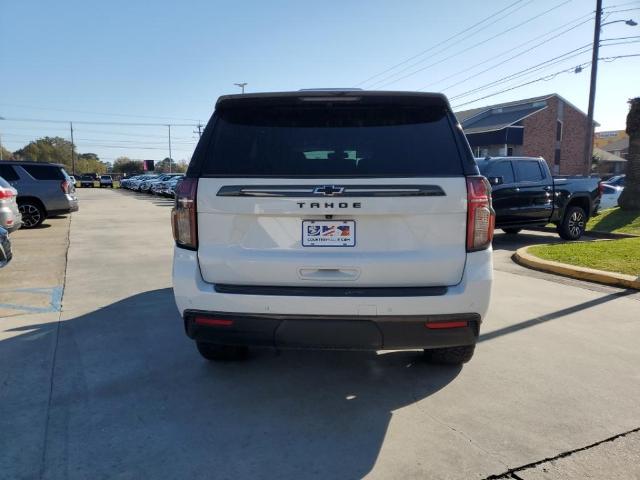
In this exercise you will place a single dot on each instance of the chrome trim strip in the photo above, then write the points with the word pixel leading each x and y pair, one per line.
pixel 304 191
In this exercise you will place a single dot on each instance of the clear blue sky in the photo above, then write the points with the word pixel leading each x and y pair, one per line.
pixel 162 61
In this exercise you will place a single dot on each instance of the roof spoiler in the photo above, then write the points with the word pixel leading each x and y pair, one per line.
pixel 332 95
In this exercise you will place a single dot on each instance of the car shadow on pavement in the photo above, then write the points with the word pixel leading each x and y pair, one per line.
pixel 516 327
pixel 131 397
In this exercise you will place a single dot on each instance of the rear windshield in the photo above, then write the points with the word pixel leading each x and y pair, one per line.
pixel 339 141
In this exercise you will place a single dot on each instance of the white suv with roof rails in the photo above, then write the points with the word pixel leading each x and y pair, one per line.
pixel 333 219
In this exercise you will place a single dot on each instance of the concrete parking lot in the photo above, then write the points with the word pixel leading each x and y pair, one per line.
pixel 99 381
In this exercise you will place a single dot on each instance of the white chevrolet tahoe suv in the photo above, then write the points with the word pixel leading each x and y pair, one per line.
pixel 339 219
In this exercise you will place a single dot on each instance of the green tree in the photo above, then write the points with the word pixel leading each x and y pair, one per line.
pixel 630 196
pixel 90 163
pixel 126 165
pixel 58 150
pixel 182 166
pixel 47 149
pixel 6 154
pixel 176 167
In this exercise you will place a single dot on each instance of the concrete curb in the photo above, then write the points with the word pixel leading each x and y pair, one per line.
pixel 590 233
pixel 524 258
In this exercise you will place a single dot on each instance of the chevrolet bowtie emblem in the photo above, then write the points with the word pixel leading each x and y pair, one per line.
pixel 328 190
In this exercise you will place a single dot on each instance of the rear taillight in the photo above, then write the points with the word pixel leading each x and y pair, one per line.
pixel 6 193
pixel 65 186
pixel 213 322
pixel 183 215
pixel 445 325
pixel 480 214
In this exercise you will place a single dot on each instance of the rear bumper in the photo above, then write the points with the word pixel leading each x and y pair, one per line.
pixel 303 321
pixel 10 219
pixel 331 332
pixel 72 207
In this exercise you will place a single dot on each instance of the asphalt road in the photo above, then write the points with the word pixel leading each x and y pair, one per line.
pixel 106 385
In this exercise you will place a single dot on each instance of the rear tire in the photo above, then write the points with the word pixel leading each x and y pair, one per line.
pixel 450 355
pixel 511 231
pixel 573 224
pixel 33 213
pixel 215 353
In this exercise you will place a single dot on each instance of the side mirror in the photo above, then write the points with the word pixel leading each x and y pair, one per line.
pixel 496 180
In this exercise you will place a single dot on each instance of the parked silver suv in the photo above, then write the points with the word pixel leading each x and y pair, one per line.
pixel 44 190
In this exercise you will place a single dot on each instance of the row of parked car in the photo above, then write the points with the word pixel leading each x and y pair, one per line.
pixel 89 180
pixel 29 193
pixel 611 190
pixel 162 184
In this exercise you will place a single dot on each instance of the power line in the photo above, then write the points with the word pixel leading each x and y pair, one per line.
pixel 440 43
pixel 510 50
pixel 95 145
pixel 547 63
pixel 116 140
pixel 589 15
pixel 503 32
pixel 540 66
pixel 101 132
pixel 95 113
pixel 612 59
pixel 625 10
pixel 422 60
pixel 86 122
pixel 621 5
pixel 546 78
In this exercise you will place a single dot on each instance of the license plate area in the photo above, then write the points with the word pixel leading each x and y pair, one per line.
pixel 328 233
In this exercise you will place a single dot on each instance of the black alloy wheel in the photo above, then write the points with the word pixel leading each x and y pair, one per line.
pixel 32 214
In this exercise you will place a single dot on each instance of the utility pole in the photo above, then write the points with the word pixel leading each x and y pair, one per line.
pixel 73 155
pixel 592 89
pixel 169 148
pixel 1 118
pixel 241 85
pixel 199 132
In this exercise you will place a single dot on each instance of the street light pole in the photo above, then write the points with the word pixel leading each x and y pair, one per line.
pixel 73 155
pixel 169 148
pixel 592 88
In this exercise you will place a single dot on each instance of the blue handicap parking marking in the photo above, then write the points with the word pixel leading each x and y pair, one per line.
pixel 55 300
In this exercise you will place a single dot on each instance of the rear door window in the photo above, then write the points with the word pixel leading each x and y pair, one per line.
pixel 44 172
pixel 529 171
pixel 502 169
pixel 8 173
pixel 338 141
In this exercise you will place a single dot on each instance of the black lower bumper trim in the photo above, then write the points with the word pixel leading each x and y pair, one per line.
pixel 334 332
pixel 331 291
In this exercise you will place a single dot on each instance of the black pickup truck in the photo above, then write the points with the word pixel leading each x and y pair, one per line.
pixel 525 194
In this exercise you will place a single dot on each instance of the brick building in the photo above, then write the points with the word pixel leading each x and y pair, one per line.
pixel 614 141
pixel 547 126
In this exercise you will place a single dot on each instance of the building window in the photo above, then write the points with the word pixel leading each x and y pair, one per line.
pixel 556 157
pixel 559 131
pixel 509 151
